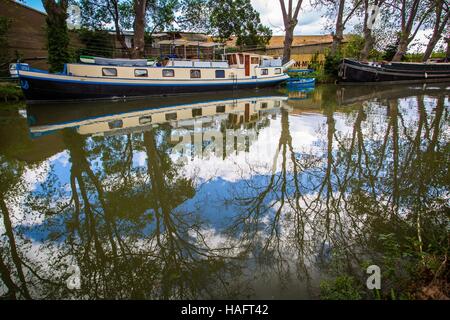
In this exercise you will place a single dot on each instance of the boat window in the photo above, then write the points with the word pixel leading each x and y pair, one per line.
pixel 171 116
pixel 145 119
pixel 220 109
pixel 263 105
pixel 168 73
pixel 140 73
pixel 197 112
pixel 277 104
pixel 196 74
pixel 241 58
pixel 109 72
pixel 255 60
pixel 277 70
pixel 220 73
pixel 264 72
pixel 115 124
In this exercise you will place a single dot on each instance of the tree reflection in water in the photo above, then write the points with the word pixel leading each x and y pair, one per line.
pixel 376 168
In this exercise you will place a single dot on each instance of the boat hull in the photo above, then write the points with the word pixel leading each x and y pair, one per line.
pixel 47 88
pixel 357 72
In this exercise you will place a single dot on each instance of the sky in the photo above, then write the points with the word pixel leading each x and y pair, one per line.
pixel 311 20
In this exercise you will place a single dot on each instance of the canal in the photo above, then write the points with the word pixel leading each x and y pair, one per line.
pixel 266 194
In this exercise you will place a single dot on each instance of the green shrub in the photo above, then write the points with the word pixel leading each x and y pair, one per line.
pixel 340 288
pixel 331 65
pixel 10 92
pixel 5 57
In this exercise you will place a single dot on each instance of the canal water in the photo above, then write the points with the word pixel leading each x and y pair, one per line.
pixel 259 194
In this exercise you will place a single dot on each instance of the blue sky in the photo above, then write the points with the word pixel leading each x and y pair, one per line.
pixel 36 4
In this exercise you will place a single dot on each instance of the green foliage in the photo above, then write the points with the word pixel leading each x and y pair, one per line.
pixel 331 65
pixel 57 41
pixel 389 52
pixel 5 57
pixel 10 92
pixel 353 47
pixel 238 18
pixel 98 43
pixel 340 288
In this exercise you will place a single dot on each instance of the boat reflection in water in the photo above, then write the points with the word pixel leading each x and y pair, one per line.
pixel 193 121
pixel 303 188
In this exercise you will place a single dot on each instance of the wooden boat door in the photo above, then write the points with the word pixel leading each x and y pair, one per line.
pixel 247 65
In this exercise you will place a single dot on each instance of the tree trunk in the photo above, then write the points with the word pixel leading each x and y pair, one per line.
pixel 9 231
pixel 407 24
pixel 288 39
pixel 113 9
pixel 447 55
pixel 290 22
pixel 368 38
pixel 139 28
pixel 430 47
pixel 401 49
pixel 438 29
pixel 339 34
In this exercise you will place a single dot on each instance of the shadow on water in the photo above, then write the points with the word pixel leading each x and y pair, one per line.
pixel 261 194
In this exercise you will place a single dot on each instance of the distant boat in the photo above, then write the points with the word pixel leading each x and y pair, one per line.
pixel 352 71
pixel 301 81
pixel 101 78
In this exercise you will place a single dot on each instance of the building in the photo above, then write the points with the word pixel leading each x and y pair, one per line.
pixel 304 48
pixel 26 35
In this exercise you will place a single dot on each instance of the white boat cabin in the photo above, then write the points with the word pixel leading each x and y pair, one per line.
pixel 234 66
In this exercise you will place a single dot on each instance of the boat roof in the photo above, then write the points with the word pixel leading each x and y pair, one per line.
pixel 251 53
pixel 182 42
pixel 121 62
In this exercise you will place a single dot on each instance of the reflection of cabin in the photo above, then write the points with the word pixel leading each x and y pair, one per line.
pixel 235 111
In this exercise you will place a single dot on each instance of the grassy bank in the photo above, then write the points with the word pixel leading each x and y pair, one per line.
pixel 10 91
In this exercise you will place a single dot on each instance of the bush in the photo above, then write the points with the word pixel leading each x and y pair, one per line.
pixel 331 66
pixel 10 92
pixel 340 288
pixel 5 57
pixel 389 52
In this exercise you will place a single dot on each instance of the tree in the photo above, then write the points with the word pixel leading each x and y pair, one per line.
pixel 369 39
pixel 57 33
pixel 140 7
pixel 341 11
pixel 142 16
pixel 441 18
pixel 241 21
pixel 412 16
pixel 290 21
pixel 447 54
pixel 4 48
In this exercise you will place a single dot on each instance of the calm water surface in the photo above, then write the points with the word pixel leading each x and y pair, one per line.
pixel 249 195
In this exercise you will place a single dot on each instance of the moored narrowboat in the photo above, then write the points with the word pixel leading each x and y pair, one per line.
pixel 101 78
pixel 352 71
